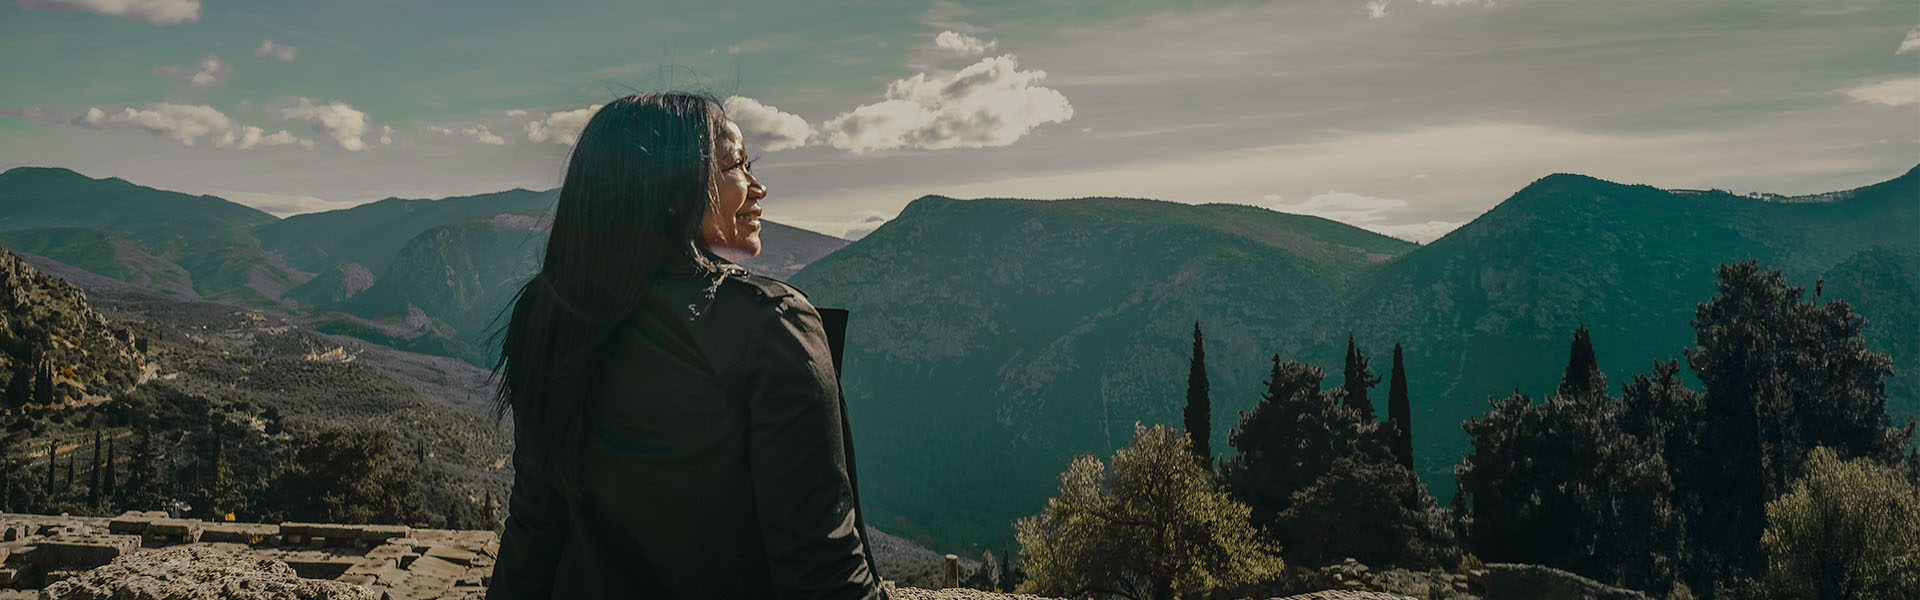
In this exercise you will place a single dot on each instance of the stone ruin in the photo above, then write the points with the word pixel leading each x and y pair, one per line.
pixel 150 555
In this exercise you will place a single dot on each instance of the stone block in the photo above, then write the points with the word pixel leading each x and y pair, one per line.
pixel 175 531
pixel 7 575
pixel 251 534
pixel 454 555
pixel 1508 581
pixel 134 521
pixel 436 566
pixel 320 568
pixel 81 552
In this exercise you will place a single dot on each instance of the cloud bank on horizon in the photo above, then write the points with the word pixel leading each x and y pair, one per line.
pixel 1407 117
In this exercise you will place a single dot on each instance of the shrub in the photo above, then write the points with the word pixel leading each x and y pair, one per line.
pixel 1846 530
pixel 1153 525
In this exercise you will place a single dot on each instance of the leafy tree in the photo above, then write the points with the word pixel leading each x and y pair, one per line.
pixel 1154 525
pixel 1374 511
pixel 221 493
pixel 1556 483
pixel 1582 378
pixel 1400 413
pixel 1782 376
pixel 1292 437
pixel 1847 529
pixel 1358 380
pixel 351 476
pixel 1199 413
pixel 143 484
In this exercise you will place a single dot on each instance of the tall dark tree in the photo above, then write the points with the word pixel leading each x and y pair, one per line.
pixel 1399 412
pixel 1199 408
pixel 1358 380
pixel 143 483
pixel 1291 438
pixel 1557 483
pixel 50 464
pixel 1783 375
pixel 93 473
pixel 1583 378
pixel 108 481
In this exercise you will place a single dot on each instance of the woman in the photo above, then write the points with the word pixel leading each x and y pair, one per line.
pixel 677 424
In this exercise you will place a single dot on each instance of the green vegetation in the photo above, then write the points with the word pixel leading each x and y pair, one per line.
pixel 1847 529
pixel 1154 525
pixel 1664 484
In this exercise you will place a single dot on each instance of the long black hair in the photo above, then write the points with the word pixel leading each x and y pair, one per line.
pixel 637 184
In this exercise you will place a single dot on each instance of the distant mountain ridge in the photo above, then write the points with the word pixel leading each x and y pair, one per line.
pixel 991 340
pixel 427 275
pixel 1058 322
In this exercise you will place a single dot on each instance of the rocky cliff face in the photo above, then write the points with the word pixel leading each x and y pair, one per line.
pixel 54 349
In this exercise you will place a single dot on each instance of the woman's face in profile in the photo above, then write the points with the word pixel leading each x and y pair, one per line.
pixel 732 225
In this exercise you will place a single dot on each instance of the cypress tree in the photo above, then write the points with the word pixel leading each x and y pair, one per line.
pixel 93 473
pixel 71 458
pixel 1358 379
pixel 1199 407
pixel 43 383
pixel 108 488
pixel 50 465
pixel 1399 413
pixel 1582 378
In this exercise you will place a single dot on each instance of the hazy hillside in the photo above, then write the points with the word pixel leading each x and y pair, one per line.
pixel 1492 305
pixel 993 340
pixel 372 234
pixel 54 349
pixel 786 249
pixel 422 275
pixel 141 234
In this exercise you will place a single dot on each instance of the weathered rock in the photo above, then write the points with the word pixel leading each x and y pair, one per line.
pixel 1509 581
pixel 200 572
pixel 81 551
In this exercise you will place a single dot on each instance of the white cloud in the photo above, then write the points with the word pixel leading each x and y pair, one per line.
pixel 336 120
pixel 188 124
pixel 474 132
pixel 516 113
pixel 386 135
pixel 988 104
pixel 158 12
pixel 268 48
pixel 1895 92
pixel 766 128
pixel 1911 43
pixel 561 127
pixel 962 44
pixel 209 72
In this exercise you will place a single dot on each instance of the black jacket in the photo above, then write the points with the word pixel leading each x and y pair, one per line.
pixel 717 471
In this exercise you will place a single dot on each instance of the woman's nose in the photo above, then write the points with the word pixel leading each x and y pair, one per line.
pixel 757 189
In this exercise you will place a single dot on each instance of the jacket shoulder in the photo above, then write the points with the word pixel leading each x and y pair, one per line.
pixel 765 289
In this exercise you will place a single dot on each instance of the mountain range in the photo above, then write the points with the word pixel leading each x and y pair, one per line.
pixel 417 274
pixel 992 340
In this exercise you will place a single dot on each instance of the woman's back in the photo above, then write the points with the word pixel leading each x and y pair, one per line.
pixel 713 470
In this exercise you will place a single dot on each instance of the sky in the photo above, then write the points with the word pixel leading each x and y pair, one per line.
pixel 1405 117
